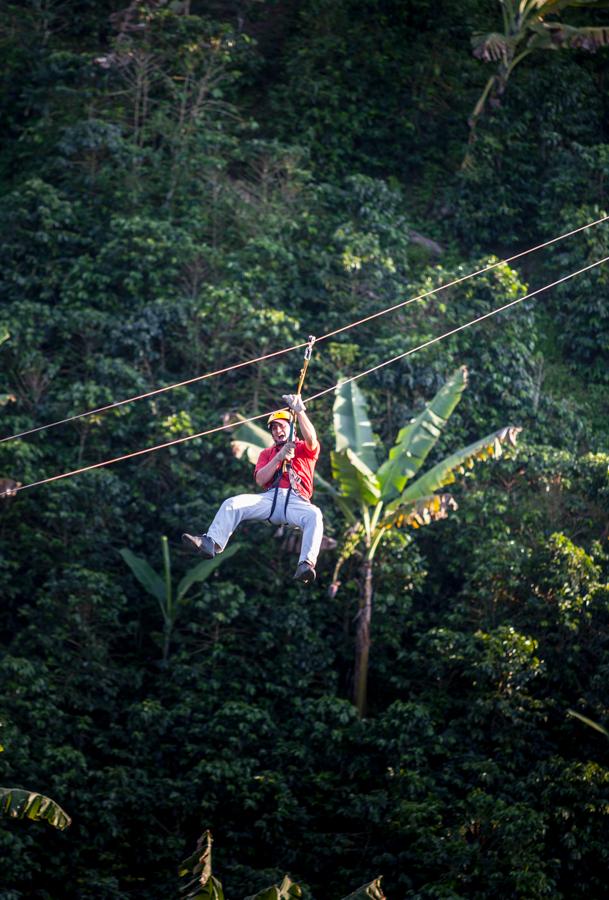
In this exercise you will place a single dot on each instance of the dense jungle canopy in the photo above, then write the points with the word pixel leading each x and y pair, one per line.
pixel 188 185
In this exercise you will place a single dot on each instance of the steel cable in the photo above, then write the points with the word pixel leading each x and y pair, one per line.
pixel 118 403
pixel 387 362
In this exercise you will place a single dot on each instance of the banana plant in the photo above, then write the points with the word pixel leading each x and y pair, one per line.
pixel 161 587
pixel 378 499
pixel 205 886
pixel 21 804
pixel 527 29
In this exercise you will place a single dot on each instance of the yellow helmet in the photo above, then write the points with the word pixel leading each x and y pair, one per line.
pixel 280 414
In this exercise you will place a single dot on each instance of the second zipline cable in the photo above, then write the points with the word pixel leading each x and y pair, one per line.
pixel 170 387
pixel 387 362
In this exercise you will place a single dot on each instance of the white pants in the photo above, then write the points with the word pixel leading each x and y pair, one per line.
pixel 248 507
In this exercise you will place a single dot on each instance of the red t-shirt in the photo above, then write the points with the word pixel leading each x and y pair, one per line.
pixel 303 466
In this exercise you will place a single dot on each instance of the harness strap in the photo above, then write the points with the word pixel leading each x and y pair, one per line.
pixel 275 484
pixel 274 503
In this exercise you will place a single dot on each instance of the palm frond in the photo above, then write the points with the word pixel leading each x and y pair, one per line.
pixel 287 890
pixel 145 574
pixel 203 886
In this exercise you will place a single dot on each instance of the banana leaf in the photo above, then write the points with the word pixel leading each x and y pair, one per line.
pixel 356 481
pixel 491 47
pixel 287 890
pixel 554 35
pixel 341 502
pixel 590 722
pixel 250 440
pixel 416 439
pixel 146 575
pixel 446 471
pixel 20 804
pixel 352 425
pixel 204 886
pixel 420 512
pixel 372 890
pixel 204 569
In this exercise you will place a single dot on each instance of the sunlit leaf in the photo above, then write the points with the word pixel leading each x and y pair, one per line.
pixel 287 890
pixel 420 512
pixel 590 722
pixel 355 479
pixel 372 890
pixel 352 425
pixel 415 440
pixel 446 471
pixel 20 804
pixel 7 398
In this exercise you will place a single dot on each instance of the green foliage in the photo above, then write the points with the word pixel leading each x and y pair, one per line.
pixel 185 187
pixel 571 311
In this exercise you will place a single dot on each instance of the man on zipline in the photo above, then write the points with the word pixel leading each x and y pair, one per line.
pixel 285 472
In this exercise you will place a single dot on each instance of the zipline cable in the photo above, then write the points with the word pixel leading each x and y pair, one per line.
pixel 192 437
pixel 161 390
pixel 323 337
pixel 456 281
pixel 452 331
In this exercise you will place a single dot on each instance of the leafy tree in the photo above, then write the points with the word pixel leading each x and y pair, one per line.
pixel 378 499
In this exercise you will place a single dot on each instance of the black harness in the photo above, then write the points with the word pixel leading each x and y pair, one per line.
pixel 275 486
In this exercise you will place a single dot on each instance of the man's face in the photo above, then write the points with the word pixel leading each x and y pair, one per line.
pixel 280 430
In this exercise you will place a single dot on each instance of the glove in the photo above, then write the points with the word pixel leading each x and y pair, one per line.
pixel 287 451
pixel 294 401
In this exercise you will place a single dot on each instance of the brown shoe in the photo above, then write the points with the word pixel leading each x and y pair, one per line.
pixel 305 573
pixel 200 544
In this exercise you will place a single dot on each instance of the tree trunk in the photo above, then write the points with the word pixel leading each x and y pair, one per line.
pixel 362 641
